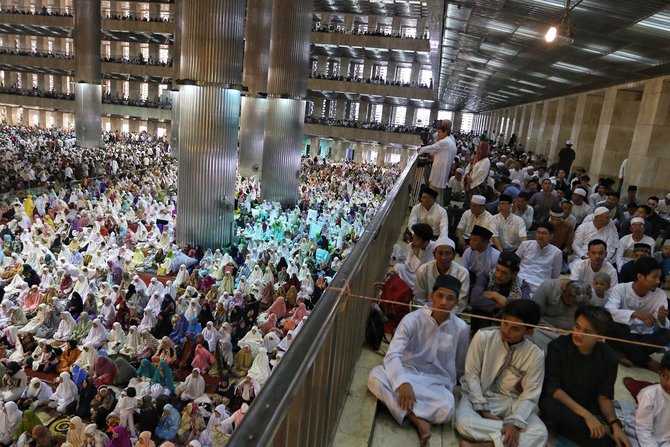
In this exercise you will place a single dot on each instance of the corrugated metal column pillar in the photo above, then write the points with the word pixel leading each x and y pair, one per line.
pixel 87 72
pixel 287 84
pixel 174 91
pixel 209 115
pixel 255 77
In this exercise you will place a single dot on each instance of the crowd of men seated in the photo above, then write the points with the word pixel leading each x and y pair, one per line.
pixel 319 28
pixel 378 80
pixel 415 130
pixel 550 265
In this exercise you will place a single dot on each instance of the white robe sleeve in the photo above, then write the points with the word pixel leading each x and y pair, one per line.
pixel 614 303
pixel 471 382
pixel 644 417
pixel 393 360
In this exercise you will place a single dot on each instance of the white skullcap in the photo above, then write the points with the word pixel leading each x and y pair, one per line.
pixel 444 240
pixel 600 210
pixel 568 143
pixel 580 192
pixel 635 220
pixel 460 171
pixel 516 181
pixel 478 200
pixel 667 196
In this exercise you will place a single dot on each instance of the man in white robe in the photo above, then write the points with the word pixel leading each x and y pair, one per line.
pixel 653 410
pixel 429 212
pixel 443 152
pixel 424 359
pixel 502 384
pixel 540 259
pixel 444 253
pixel 419 252
pixel 600 227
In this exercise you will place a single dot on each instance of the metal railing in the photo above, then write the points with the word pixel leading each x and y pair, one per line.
pixel 302 401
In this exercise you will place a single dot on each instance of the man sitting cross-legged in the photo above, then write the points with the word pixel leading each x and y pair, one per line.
pixel 423 362
pixel 502 384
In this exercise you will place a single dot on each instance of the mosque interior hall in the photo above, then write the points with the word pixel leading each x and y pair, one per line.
pixel 189 188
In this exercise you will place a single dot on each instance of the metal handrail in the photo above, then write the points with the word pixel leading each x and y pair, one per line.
pixel 302 401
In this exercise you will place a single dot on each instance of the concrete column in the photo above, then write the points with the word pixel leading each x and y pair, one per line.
pixel 287 83
pixel 565 117
pixel 534 125
pixel 615 131
pixel 386 114
pixel 585 127
pixel 88 89
pixel 255 77
pixel 515 121
pixel 522 131
pixel 364 111
pixel 211 62
pixel 649 160
pixel 433 114
pixel 547 127
pixel 409 116
pixel 318 107
pixel 344 66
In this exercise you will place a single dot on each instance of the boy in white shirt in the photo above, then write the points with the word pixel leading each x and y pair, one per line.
pixel 652 418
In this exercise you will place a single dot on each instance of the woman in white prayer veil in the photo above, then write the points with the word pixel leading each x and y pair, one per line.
pixel 10 418
pixel 193 309
pixel 37 393
pixel 170 289
pixel 192 387
pixel 140 286
pixel 244 286
pixel 14 285
pixel 86 359
pixel 155 286
pixel 211 336
pixel 97 335
pixel 116 339
pixel 81 285
pixel 286 341
pixel 65 394
pixel 182 277
pixel 37 320
pixel 65 327
pixel 260 369
pixel 226 352
pixel 216 434
pixel 107 312
pixel 271 341
pixel 253 339
pixel 148 320
pixel 154 303
pixel 256 275
pixel 12 336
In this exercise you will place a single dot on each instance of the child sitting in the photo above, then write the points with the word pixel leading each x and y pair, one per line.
pixel 601 284
pixel 652 418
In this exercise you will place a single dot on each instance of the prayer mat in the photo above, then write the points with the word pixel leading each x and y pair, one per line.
pixel 60 426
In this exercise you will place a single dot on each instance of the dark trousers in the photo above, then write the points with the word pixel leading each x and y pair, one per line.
pixel 635 353
pixel 568 424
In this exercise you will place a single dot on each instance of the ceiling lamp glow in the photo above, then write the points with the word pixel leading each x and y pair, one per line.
pixel 551 34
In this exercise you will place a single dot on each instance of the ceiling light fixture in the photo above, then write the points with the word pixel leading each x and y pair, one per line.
pixel 564 33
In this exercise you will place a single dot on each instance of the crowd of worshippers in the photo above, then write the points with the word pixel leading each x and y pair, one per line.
pixel 515 241
pixel 104 318
pixel 34 157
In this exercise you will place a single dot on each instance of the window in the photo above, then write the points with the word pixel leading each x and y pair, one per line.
pixel 314 64
pixel 68 83
pixel 309 109
pixel 106 9
pixel 144 50
pixel 408 31
pixel 445 115
pixel 50 45
pixel 332 108
pixel 164 92
pixel 403 74
pixel 466 122
pixel 426 77
pixel 361 28
pixel 376 113
pixel 69 45
pixel 125 50
pixel 379 71
pixel 390 158
pixel 353 111
pixel 106 49
pixel 422 117
pixel 373 157
pixel 126 89
pixel 399 114
pixel 144 91
pixel 50 81
pixel 107 87
pixel 356 69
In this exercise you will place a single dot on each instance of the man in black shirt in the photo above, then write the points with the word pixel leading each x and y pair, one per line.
pixel 580 372
pixel 566 156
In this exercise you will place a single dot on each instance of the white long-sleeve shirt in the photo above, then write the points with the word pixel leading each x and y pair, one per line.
pixel 444 152
pixel 623 302
pixel 652 418
pixel 469 220
pixel 587 232
pixel 511 230
pixel 436 217
pixel 425 279
pixel 538 264
pixel 581 270
pixel 625 251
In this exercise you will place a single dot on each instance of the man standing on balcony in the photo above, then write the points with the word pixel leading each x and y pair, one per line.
pixel 443 152
pixel 424 360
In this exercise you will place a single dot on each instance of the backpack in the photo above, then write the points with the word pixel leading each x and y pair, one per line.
pixel 396 290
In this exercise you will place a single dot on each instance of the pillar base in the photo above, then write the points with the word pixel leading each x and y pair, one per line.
pixel 252 134
pixel 88 114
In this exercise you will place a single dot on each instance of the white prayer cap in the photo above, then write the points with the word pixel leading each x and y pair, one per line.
pixel 600 210
pixel 460 171
pixel 667 196
pixel 444 240
pixel 568 143
pixel 194 443
pixel 478 200
pixel 635 220
pixel 500 164
pixel 580 192
pixel 516 181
